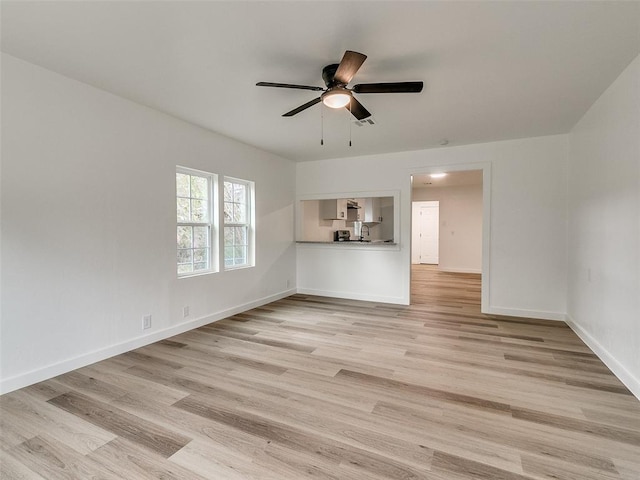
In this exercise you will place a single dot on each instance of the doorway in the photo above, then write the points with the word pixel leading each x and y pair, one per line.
pixel 448 232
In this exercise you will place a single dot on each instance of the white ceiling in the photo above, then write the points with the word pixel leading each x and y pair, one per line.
pixel 492 70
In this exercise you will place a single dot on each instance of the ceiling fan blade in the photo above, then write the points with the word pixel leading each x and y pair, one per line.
pixel 394 87
pixel 288 85
pixel 358 110
pixel 349 65
pixel 302 107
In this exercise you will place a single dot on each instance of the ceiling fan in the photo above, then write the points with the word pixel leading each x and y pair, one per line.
pixel 337 94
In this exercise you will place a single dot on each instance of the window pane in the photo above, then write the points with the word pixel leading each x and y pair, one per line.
pixel 199 211
pixel 182 185
pixel 183 209
pixel 239 213
pixel 184 255
pixel 228 256
pixel 239 254
pixel 240 236
pixel 199 266
pixel 185 268
pixel 228 236
pixel 239 193
pixel 201 237
pixel 200 255
pixel 199 187
pixel 228 212
pixel 228 191
pixel 185 237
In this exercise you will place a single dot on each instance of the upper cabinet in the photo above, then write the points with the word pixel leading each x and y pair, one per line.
pixel 334 209
pixel 365 210
pixel 372 210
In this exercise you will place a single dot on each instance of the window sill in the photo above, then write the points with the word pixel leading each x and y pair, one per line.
pixel 196 274
pixel 238 267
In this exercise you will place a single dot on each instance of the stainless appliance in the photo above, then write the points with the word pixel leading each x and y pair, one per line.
pixel 341 236
pixel 357 229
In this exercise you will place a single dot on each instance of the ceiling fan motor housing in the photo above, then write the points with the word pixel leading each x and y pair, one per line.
pixel 328 75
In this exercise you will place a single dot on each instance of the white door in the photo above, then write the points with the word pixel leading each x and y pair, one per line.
pixel 425 235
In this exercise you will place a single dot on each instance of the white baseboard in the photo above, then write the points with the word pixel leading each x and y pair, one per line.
pixel 23 380
pixel 518 312
pixel 354 296
pixel 624 375
pixel 460 270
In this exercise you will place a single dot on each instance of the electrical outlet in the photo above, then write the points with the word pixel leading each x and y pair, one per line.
pixel 146 322
pixel 288 283
pixel 185 311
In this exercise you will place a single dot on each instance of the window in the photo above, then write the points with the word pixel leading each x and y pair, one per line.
pixel 238 223
pixel 195 221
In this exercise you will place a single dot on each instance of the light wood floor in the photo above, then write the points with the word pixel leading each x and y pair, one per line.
pixel 311 387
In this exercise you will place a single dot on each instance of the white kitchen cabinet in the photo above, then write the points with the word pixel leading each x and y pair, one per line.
pixel 334 209
pixel 372 210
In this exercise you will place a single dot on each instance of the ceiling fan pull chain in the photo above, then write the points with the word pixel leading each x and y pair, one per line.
pixel 321 124
pixel 349 120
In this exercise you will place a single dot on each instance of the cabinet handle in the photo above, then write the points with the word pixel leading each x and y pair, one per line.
pixel 341 214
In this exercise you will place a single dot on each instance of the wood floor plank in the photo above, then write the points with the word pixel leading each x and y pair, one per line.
pixel 35 418
pixel 386 383
pixel 127 460
pixel 459 467
pixel 545 467
pixel 12 468
pixel 139 431
pixel 55 461
pixel 592 428
pixel 209 460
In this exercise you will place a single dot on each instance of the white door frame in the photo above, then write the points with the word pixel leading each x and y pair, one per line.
pixel 486 219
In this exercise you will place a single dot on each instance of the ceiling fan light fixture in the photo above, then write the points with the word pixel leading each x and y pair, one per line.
pixel 336 98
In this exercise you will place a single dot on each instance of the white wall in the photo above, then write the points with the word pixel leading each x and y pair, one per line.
pixel 604 227
pixel 460 240
pixel 88 225
pixel 526 258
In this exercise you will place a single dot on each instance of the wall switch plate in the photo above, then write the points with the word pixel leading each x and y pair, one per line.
pixel 185 311
pixel 146 322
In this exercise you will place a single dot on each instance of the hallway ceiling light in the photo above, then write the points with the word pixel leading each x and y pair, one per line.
pixel 438 175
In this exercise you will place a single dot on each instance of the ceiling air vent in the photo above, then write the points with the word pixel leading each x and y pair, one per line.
pixel 365 122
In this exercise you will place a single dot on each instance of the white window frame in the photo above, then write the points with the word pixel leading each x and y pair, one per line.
pixel 249 224
pixel 211 223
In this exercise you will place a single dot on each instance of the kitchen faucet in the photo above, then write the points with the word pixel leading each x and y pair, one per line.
pixel 362 232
